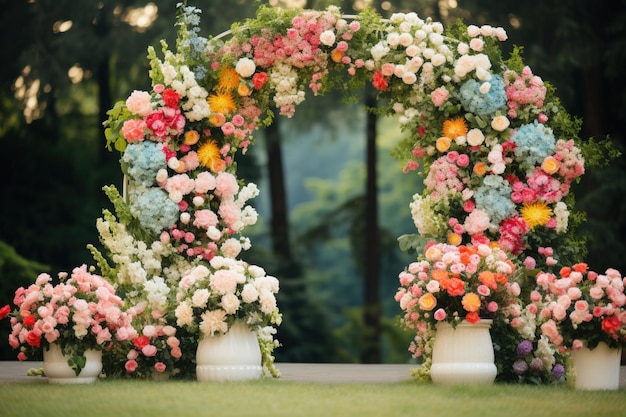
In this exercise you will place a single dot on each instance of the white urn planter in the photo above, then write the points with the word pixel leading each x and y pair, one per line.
pixel 59 372
pixel 233 356
pixel 463 355
pixel 598 368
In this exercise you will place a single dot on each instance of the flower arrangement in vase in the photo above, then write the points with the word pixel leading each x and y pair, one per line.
pixel 451 284
pixel 81 312
pixel 578 307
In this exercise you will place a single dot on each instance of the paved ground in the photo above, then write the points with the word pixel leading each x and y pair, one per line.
pixel 298 372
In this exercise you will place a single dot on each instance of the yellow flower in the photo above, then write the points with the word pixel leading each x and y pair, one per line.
pixel 454 239
pixel 443 144
pixel 228 80
pixel 471 302
pixel 427 302
pixel 222 103
pixel 209 156
pixel 453 128
pixel 536 214
pixel 243 90
pixel 550 165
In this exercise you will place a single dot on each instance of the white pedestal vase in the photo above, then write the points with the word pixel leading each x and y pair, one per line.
pixel 234 356
pixel 598 368
pixel 59 372
pixel 463 355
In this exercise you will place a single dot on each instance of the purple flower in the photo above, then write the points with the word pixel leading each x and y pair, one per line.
pixel 520 367
pixel 536 365
pixel 558 371
pixel 524 348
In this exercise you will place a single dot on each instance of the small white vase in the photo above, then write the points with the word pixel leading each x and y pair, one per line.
pixel 598 368
pixel 59 372
pixel 463 355
pixel 233 356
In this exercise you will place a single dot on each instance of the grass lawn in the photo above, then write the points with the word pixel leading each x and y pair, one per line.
pixel 276 398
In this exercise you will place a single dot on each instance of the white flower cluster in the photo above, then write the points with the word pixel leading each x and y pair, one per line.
pixel 183 81
pixel 284 79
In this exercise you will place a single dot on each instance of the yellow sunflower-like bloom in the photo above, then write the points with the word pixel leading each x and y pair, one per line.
pixel 536 214
pixel 228 79
pixel 209 156
pixel 453 128
pixel 222 103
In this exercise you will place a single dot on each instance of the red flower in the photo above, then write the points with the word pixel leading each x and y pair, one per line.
pixel 33 338
pixel 171 98
pixel 379 82
pixel 259 79
pixel 611 324
pixel 472 317
pixel 454 286
pixel 29 321
pixel 141 341
pixel 4 311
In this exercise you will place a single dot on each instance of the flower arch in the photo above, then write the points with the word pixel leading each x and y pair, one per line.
pixel 496 150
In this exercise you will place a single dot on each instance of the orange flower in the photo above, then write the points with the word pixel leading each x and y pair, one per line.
pixel 488 278
pixel 472 317
pixel 439 274
pixel 217 119
pixel 454 286
pixel 480 168
pixel 336 55
pixel 471 302
pixel 443 144
pixel 222 103
pixel 580 267
pixel 191 137
pixel 243 90
pixel 565 271
pixel 209 156
pixel 550 165
pixel 453 128
pixel 228 79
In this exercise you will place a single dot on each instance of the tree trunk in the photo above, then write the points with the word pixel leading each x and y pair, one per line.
pixel 371 309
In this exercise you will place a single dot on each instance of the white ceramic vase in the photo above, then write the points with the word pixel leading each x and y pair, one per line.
pixel 463 355
pixel 233 356
pixel 59 372
pixel 598 368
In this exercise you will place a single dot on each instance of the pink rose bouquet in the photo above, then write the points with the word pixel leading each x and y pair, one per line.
pixel 79 313
pixel 578 307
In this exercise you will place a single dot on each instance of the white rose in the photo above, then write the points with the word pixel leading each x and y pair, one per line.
pixel 475 137
pixel 473 31
pixel 393 39
pixel 200 298
pixel 405 39
pixel 438 60
pixel 328 38
pixel 409 78
pixel 249 294
pixel 245 67
pixel 500 123
pixel 484 88
pixel 230 303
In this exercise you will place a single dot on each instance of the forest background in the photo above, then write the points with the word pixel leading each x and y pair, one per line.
pixel 333 201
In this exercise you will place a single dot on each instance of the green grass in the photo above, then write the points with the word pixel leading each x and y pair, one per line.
pixel 277 398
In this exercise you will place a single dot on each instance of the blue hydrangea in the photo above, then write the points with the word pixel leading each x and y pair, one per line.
pixel 155 210
pixel 534 143
pixel 143 161
pixel 494 197
pixel 483 105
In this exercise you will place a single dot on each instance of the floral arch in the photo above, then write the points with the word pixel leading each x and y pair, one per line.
pixel 496 150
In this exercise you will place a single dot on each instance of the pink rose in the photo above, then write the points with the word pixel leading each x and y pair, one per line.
pixel 133 130
pixel 176 352
pixel 439 96
pixel 160 367
pixel 440 314
pixel 149 350
pixel 139 103
pixel 131 366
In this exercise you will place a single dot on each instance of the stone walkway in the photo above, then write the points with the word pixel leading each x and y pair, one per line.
pixel 298 372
